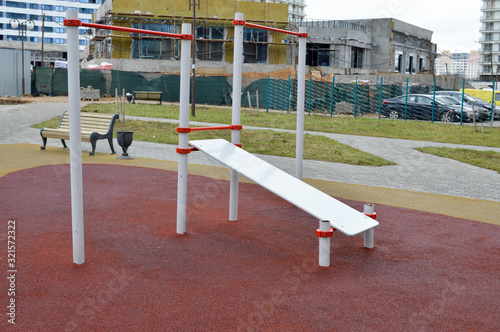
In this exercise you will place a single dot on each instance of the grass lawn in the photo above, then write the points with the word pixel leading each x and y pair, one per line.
pixel 255 141
pixel 414 130
pixel 484 159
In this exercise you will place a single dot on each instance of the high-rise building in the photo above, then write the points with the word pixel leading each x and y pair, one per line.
pixel 46 17
pixel 490 39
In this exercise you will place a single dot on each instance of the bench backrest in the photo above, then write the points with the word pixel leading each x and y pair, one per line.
pixel 147 95
pixel 93 122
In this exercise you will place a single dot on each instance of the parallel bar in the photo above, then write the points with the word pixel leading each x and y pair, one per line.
pixel 216 128
pixel 71 22
pixel 236 112
pixel 301 92
pixel 75 142
pixel 183 137
pixel 299 34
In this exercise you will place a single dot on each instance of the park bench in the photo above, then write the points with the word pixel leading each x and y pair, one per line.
pixel 147 95
pixel 94 126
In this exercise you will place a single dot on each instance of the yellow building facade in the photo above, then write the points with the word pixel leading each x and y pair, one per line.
pixel 214 31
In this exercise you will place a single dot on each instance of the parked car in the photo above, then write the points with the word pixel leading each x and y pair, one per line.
pixel 478 102
pixel 480 112
pixel 419 107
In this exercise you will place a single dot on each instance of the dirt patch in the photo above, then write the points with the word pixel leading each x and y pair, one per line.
pixel 13 101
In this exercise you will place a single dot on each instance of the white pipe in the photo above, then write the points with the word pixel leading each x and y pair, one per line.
pixel 123 104
pixel 235 134
pixel 324 244
pixel 75 141
pixel 369 234
pixel 183 137
pixel 301 92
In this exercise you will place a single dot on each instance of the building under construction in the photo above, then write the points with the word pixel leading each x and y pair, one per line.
pixel 213 30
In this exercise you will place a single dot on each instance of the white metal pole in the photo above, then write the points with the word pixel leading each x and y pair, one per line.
pixel 324 244
pixel 301 92
pixel 235 134
pixel 75 141
pixel 369 234
pixel 183 137
pixel 123 104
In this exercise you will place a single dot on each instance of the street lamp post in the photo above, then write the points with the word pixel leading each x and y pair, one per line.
pixel 29 24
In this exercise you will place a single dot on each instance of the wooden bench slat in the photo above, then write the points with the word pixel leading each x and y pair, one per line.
pixel 94 126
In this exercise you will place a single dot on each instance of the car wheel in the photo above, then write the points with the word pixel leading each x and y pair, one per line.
pixel 446 117
pixel 394 115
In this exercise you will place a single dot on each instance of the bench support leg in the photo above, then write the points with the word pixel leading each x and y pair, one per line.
pixel 324 233
pixel 110 140
pixel 64 144
pixel 93 143
pixel 44 141
pixel 369 234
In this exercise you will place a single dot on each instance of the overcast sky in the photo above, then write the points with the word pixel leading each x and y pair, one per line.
pixel 454 23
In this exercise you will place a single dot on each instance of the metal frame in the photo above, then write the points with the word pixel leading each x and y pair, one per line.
pixel 72 23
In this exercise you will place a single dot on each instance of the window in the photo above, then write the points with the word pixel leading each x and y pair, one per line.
pixel 85 20
pixel 59 19
pixel 48 40
pixel 46 7
pixel 17 15
pixel 206 48
pixel 33 6
pixel 83 42
pixel 421 64
pixel 49 18
pixel 15 4
pixel 48 29
pixel 34 39
pixel 410 65
pixel 398 61
pixel 59 8
pixel 317 54
pixel 357 57
pixel 60 30
pixel 60 41
pixel 84 1
pixel 33 17
pixel 86 10
pixel 253 51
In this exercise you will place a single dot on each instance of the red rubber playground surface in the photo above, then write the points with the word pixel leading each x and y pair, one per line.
pixel 427 272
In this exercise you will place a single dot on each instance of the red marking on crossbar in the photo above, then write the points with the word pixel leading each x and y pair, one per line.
pixel 185 151
pixel 373 215
pixel 125 29
pixel 239 22
pixel 329 233
pixel 188 130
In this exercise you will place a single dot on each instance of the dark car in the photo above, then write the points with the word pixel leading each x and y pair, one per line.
pixel 419 107
pixel 469 100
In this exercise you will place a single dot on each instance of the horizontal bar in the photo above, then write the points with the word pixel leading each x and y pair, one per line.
pixel 111 27
pixel 187 130
pixel 299 34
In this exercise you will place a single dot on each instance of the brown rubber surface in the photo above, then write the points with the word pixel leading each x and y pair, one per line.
pixel 426 272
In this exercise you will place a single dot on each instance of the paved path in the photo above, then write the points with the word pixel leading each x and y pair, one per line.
pixel 415 171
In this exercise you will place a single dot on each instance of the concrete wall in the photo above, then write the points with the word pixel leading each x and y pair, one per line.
pixel 11 73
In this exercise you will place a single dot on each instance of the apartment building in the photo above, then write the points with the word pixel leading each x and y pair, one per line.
pixel 464 65
pixel 46 19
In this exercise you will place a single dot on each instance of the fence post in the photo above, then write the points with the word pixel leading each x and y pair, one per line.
pixel 288 97
pixel 492 103
pixel 406 101
pixel 310 89
pixel 268 84
pixel 462 107
pixel 331 100
pixel 355 96
pixel 433 100
pixel 380 97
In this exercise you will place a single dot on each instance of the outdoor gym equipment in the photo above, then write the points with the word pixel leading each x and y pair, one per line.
pixel 73 23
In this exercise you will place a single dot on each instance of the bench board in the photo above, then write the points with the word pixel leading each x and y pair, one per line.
pixel 309 199
pixel 94 126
